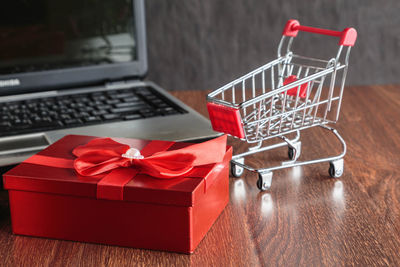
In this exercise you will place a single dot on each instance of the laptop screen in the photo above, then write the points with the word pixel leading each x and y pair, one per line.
pixel 41 35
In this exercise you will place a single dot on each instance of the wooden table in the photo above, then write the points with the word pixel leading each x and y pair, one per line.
pixel 305 219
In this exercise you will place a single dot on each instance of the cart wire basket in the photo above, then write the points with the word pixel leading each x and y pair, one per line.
pixel 284 96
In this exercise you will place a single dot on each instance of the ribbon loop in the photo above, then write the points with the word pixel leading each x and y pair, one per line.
pixel 102 155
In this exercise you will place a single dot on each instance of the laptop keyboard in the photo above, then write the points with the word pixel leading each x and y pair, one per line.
pixel 78 110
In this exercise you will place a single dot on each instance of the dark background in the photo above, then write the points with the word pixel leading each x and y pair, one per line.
pixel 203 44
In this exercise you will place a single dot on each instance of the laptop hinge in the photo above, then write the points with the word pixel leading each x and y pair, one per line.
pixel 120 83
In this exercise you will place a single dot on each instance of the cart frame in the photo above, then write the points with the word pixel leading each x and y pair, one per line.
pixel 288 107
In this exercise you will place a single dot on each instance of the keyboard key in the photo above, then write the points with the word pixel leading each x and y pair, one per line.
pixel 171 112
pixel 99 97
pixel 92 119
pixel 126 109
pixel 168 109
pixel 95 103
pixel 46 119
pixel 99 112
pixel 131 104
pixel 132 117
pixel 79 115
pixel 79 104
pixel 144 91
pixel 12 106
pixel 101 107
pixel 86 109
pixel 131 99
pixel 111 116
pixel 151 97
pixel 125 95
pixel 113 101
pixel 111 93
pixel 156 101
pixel 35 118
pixel 148 113
pixel 53 114
pixel 16 121
pixel 72 122
pixel 65 116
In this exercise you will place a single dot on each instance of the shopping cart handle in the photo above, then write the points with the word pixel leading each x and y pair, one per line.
pixel 348 36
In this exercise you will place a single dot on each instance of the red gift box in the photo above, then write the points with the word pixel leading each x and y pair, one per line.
pixel 113 201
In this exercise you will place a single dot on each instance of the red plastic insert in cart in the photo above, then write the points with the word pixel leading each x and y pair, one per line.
pixel 225 119
pixel 293 91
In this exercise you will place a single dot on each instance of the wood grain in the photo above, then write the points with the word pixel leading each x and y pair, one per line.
pixel 305 219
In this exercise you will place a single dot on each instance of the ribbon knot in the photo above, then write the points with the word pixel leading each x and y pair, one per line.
pixel 132 153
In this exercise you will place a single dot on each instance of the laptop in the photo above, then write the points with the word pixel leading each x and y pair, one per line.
pixel 77 67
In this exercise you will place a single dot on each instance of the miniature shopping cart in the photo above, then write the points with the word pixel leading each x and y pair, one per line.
pixel 285 96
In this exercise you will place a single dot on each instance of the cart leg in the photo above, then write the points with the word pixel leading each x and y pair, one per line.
pixel 256 147
pixel 264 180
pixel 236 170
pixel 294 148
pixel 336 168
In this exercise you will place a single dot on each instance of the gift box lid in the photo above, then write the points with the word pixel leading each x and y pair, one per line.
pixel 35 176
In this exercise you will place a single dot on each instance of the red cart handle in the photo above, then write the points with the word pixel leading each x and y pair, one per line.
pixel 348 36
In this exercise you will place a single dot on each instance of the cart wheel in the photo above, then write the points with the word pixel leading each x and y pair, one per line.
pixel 264 181
pixel 291 151
pixel 236 171
pixel 336 168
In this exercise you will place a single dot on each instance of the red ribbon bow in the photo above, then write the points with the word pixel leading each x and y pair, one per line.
pixel 114 165
pixel 103 155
